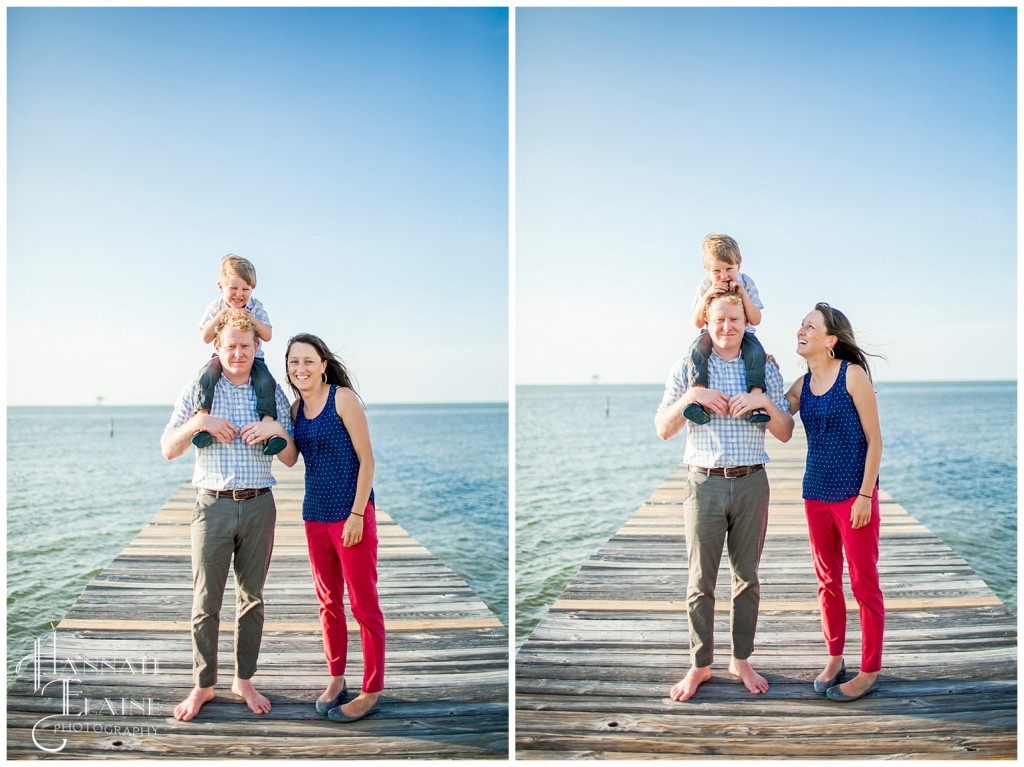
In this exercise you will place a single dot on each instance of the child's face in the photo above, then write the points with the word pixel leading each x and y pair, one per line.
pixel 720 271
pixel 235 290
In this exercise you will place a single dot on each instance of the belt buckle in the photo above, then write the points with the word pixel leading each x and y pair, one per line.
pixel 242 495
pixel 737 475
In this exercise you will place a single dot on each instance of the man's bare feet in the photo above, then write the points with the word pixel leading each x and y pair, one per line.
pixel 753 681
pixel 859 684
pixel 188 708
pixel 360 704
pixel 244 689
pixel 687 686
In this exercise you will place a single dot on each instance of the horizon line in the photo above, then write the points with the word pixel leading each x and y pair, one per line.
pixel 877 381
pixel 101 405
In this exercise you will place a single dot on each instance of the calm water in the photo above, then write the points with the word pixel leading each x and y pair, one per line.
pixel 77 495
pixel 588 456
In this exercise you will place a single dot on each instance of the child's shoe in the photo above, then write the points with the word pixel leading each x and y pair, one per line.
pixel 274 445
pixel 760 416
pixel 202 439
pixel 696 413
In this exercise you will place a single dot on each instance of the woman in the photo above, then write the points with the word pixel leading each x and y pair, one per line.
pixel 837 405
pixel 338 511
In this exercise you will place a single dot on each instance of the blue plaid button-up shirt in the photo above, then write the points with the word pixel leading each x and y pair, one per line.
pixel 725 441
pixel 237 466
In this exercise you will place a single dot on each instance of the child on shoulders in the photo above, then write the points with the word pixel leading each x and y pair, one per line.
pixel 236 283
pixel 722 260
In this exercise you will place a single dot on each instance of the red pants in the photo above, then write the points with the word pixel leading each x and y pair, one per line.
pixel 831 532
pixel 336 567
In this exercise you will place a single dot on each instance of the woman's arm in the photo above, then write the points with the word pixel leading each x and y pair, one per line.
pixel 350 410
pixel 793 395
pixel 863 394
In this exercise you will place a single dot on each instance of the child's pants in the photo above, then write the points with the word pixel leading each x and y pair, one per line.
pixel 336 567
pixel 831 532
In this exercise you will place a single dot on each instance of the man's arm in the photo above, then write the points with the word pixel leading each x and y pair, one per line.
pixel 185 422
pixel 773 401
pixel 175 441
pixel 259 431
pixel 669 420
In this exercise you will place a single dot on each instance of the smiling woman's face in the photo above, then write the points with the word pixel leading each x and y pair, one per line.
pixel 305 367
pixel 811 338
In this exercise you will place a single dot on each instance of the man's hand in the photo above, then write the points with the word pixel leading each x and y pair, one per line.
pixel 222 430
pixel 747 402
pixel 712 399
pixel 260 431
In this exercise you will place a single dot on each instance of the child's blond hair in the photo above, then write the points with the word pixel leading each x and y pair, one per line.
pixel 239 320
pixel 729 298
pixel 720 247
pixel 236 266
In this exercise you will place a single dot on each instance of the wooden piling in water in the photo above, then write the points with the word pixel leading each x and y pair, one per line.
pixel 592 681
pixel 127 643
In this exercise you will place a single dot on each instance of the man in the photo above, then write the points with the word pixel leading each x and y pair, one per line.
pixel 234 514
pixel 727 498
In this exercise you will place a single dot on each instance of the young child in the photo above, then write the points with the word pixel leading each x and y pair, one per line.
pixel 236 283
pixel 721 257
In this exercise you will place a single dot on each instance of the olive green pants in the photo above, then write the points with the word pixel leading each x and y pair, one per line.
pixel 224 530
pixel 717 512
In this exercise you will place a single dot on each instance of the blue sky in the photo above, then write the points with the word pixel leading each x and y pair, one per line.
pixel 359 158
pixel 864 157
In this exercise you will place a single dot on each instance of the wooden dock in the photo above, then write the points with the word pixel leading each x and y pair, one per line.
pixel 592 681
pixel 127 643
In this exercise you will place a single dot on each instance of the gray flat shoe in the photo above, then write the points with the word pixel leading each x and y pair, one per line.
pixel 834 693
pixel 822 687
pixel 337 715
pixel 324 708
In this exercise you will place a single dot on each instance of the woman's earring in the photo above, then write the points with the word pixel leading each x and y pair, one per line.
pixel 831 353
pixel 323 377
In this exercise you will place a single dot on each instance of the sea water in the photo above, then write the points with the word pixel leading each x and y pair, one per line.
pixel 82 482
pixel 587 456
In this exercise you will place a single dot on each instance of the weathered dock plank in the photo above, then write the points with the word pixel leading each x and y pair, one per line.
pixel 592 680
pixel 126 645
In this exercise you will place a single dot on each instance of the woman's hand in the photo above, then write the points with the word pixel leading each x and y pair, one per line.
pixel 353 530
pixel 860 513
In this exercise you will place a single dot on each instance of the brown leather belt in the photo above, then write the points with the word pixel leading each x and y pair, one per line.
pixel 729 472
pixel 236 495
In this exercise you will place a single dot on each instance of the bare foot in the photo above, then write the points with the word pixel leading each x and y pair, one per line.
pixel 333 689
pixel 859 684
pixel 687 686
pixel 189 707
pixel 244 689
pixel 360 704
pixel 753 681
pixel 835 662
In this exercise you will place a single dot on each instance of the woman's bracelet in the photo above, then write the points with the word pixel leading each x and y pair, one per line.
pixel 355 515
pixel 864 496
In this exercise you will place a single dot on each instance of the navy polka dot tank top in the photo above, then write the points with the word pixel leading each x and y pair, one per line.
pixel 332 466
pixel 836 445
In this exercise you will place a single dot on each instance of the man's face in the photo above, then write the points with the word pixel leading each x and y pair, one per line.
pixel 726 323
pixel 236 349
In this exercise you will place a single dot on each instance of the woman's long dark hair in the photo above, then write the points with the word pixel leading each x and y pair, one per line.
pixel 846 348
pixel 336 371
